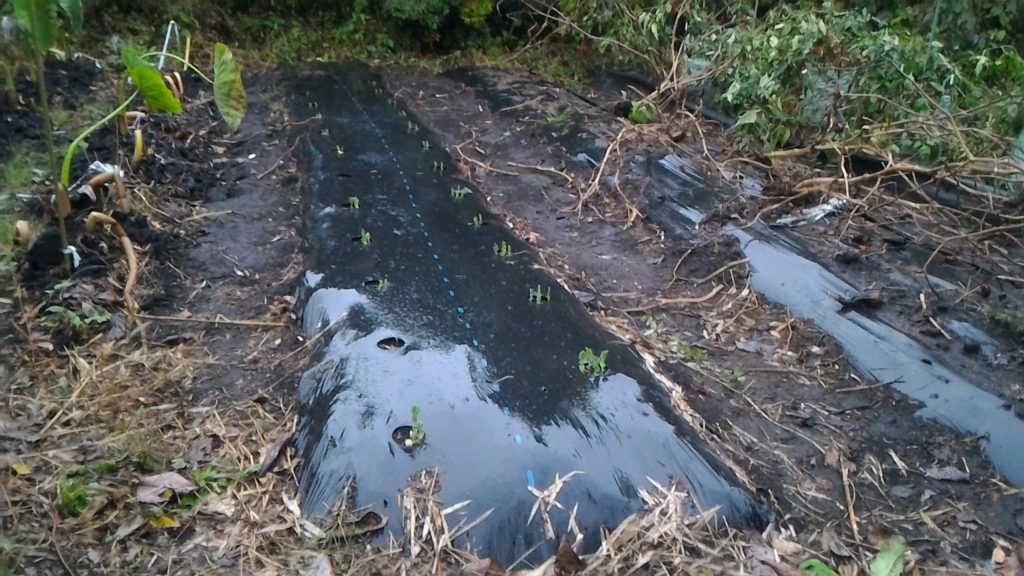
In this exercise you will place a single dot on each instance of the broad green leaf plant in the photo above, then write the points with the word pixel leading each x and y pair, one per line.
pixel 38 21
pixel 229 93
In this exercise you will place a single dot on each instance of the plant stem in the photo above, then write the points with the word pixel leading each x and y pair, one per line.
pixel 60 189
pixel 65 172
pixel 183 61
pixel 11 89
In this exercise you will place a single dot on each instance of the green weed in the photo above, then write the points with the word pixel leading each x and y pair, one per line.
pixel 10 558
pixel 643 112
pixel 21 170
pixel 1008 320
pixel 478 221
pixel 560 118
pixel 78 322
pixel 364 237
pixel 73 496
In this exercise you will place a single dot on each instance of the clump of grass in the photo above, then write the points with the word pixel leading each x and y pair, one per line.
pixel 10 558
pixel 1008 320
pixel 73 496
pixel 19 170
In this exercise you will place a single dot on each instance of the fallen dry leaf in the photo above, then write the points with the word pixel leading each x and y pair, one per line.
pixel 947 474
pixel 158 488
pixel 566 560
pixel 320 566
pixel 164 522
pixel 482 567
pixel 786 547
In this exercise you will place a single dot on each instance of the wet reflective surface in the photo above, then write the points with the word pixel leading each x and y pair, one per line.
pixel 429 299
pixel 786 277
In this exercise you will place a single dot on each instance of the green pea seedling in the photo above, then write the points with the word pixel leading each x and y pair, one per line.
pixel 590 363
pixel 538 296
pixel 503 250
pixel 417 434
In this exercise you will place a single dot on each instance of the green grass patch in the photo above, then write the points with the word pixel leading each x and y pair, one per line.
pixel 73 496
pixel 20 171
pixel 1009 321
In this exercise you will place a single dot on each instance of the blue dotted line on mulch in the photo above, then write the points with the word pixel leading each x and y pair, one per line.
pixel 460 310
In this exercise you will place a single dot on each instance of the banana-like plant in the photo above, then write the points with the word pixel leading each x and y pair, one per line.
pixel 9 54
pixel 38 19
pixel 228 93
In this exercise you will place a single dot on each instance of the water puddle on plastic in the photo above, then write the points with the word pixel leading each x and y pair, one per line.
pixel 787 278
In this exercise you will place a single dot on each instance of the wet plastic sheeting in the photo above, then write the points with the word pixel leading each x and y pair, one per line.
pixel 502 400
pixel 784 275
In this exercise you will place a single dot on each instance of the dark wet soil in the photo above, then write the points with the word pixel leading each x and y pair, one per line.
pixel 236 254
pixel 218 240
pixel 70 83
pixel 778 397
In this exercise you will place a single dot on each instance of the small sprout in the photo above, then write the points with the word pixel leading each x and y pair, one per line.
pixel 590 363
pixel 325 132
pixel 412 128
pixel 561 118
pixel 417 434
pixel 353 202
pixel 364 237
pixel 503 250
pixel 478 221
pixel 643 112
pixel 439 167
pixel 391 101
pixel 314 104
pixel 384 285
pixel 378 90
pixel 425 145
pixel 538 296
pixel 459 192
pixel 402 113
pixel 140 147
pixel 339 150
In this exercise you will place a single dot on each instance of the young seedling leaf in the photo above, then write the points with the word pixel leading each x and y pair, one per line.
pixel 150 83
pixel 228 91
pixel 36 17
pixel 889 562
pixel 73 10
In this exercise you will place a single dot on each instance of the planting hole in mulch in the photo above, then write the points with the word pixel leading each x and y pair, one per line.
pixel 391 343
pixel 402 437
